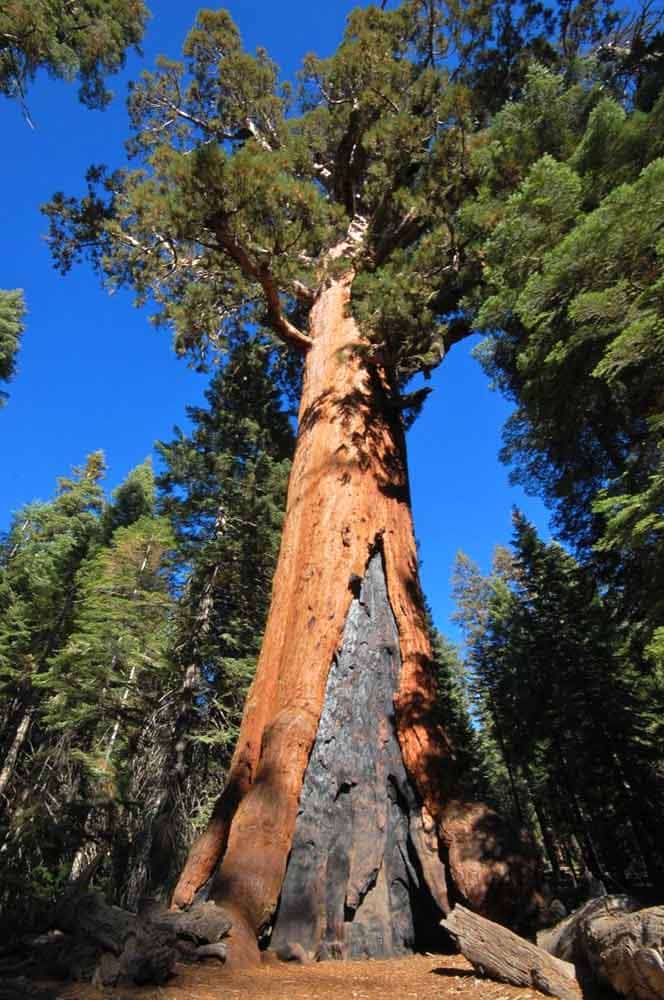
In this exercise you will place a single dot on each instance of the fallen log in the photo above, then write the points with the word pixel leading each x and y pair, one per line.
pixel 614 943
pixel 496 952
pixel 94 941
pixel 203 923
pixel 565 940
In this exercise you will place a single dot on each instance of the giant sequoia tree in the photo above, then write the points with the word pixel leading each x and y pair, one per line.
pixel 332 221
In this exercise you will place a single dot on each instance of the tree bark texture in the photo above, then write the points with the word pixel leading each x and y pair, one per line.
pixel 611 941
pixel 356 882
pixel 348 499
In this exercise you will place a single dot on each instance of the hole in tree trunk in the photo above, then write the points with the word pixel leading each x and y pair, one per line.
pixel 354 884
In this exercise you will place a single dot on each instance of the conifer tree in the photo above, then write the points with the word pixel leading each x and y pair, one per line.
pixel 39 561
pixel 570 719
pixel 454 709
pixel 571 276
pixel 86 40
pixel 12 310
pixel 103 688
pixel 333 221
pixel 40 558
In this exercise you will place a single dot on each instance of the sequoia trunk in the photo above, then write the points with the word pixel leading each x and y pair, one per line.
pixel 348 498
pixel 347 539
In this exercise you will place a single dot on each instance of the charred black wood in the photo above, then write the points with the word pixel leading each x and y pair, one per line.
pixel 355 884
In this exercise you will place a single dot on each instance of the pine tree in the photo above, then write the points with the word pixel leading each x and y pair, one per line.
pixel 572 267
pixel 41 556
pixel 12 310
pixel 39 562
pixel 568 716
pixel 455 713
pixel 105 686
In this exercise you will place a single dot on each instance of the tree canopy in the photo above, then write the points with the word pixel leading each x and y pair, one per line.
pixel 243 186
pixel 87 40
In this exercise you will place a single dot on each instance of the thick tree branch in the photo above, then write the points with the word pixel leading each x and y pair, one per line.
pixel 303 293
pixel 276 319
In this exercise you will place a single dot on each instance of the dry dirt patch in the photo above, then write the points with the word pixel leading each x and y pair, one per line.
pixel 422 977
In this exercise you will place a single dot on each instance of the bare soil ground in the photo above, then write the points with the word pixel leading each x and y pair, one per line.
pixel 421 977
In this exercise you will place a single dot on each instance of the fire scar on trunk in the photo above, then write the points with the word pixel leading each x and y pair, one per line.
pixel 348 492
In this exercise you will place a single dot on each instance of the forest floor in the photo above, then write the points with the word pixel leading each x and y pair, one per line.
pixel 420 977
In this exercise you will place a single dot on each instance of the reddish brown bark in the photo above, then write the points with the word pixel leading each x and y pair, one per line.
pixel 348 495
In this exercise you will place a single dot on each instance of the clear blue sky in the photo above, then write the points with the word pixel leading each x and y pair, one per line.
pixel 94 374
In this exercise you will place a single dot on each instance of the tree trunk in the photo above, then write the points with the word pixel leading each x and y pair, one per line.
pixel 20 736
pixel 548 840
pixel 348 503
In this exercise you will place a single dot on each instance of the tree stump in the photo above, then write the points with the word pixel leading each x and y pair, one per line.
pixel 499 954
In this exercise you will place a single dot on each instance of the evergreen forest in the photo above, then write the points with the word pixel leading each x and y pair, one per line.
pixel 479 167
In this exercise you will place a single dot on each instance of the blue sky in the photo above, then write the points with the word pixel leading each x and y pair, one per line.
pixel 94 374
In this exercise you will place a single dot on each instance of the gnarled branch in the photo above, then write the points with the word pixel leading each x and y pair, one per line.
pixel 260 273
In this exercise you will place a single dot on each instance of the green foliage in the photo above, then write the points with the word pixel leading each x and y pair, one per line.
pixel 244 199
pixel 132 500
pixel 85 40
pixel 573 719
pixel 224 488
pixel 118 645
pixel 454 711
pixel 570 297
pixel 12 312
pixel 40 559
pixel 487 166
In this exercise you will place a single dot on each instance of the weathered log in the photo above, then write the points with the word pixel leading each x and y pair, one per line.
pixel 89 916
pixel 217 950
pixel 203 923
pixel 564 940
pixel 613 942
pixel 499 954
pixel 149 956
pixel 107 945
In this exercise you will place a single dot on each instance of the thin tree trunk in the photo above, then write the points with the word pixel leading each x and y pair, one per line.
pixel 506 759
pixel 547 836
pixel 132 672
pixel 89 849
pixel 589 852
pixel 20 736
